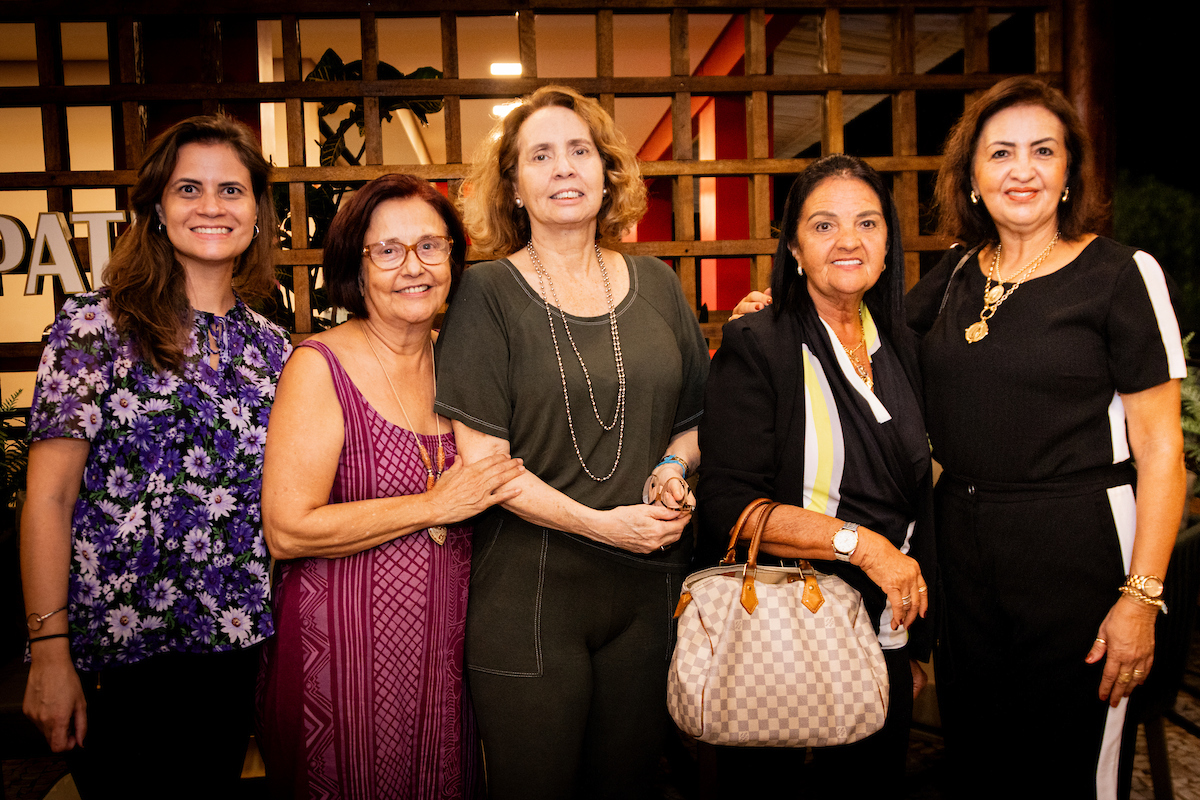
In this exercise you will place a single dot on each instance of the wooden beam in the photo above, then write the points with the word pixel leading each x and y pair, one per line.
pixel 833 121
pixel 372 126
pixel 527 41
pixel 453 107
pixel 605 56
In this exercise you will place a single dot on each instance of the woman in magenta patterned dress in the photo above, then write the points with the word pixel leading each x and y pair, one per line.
pixel 361 693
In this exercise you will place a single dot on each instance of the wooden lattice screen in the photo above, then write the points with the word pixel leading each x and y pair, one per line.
pixel 128 90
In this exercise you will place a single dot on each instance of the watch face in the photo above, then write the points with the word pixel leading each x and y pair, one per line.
pixel 1152 587
pixel 845 541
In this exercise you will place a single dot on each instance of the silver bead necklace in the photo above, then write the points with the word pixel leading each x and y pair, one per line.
pixel 619 412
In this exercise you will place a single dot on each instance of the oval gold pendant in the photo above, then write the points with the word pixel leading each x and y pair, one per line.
pixel 992 296
pixel 438 534
pixel 977 332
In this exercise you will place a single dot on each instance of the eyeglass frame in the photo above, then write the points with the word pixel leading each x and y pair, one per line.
pixel 411 248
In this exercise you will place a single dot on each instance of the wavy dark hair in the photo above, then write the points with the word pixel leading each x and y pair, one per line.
pixel 885 299
pixel 970 223
pixel 147 285
pixel 343 264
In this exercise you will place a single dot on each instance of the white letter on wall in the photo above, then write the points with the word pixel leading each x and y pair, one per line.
pixel 52 237
pixel 99 245
pixel 13 239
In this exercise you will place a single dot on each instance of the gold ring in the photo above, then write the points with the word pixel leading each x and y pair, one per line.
pixel 1101 641
pixel 1123 677
pixel 1137 673
pixel 922 589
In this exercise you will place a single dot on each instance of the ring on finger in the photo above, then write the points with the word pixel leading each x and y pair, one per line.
pixel 1123 677
pixel 922 589
pixel 1137 673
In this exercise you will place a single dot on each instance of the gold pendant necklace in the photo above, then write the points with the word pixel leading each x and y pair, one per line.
pixel 994 292
pixel 860 367
pixel 436 532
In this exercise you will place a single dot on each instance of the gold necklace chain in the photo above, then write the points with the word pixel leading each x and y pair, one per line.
pixel 619 411
pixel 436 532
pixel 860 367
pixel 994 292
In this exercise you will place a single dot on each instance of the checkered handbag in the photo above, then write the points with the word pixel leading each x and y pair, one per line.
pixel 774 656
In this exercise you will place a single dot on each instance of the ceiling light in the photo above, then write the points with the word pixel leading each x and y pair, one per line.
pixel 506 68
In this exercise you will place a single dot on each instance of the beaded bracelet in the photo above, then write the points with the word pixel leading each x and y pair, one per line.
pixel 33 639
pixel 674 459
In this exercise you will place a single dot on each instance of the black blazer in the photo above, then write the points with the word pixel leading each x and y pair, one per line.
pixel 752 438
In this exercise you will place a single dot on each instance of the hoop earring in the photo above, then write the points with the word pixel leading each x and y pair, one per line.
pixel 1066 194
pixel 974 198
pixel 161 227
pixel 255 236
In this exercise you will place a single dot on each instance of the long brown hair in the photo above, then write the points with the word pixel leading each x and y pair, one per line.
pixel 498 226
pixel 971 223
pixel 147 285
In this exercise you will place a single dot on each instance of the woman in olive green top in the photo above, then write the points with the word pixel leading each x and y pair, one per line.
pixel 590 366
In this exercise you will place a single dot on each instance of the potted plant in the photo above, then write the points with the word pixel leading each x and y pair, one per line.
pixel 14 460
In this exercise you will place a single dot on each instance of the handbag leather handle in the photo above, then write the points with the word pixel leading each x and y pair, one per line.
pixel 735 532
pixel 763 507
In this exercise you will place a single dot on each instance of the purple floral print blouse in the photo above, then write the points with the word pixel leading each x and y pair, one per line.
pixel 168 552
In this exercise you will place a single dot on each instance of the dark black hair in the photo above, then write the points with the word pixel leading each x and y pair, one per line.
pixel 885 299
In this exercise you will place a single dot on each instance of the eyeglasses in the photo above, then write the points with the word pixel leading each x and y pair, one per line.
pixel 431 251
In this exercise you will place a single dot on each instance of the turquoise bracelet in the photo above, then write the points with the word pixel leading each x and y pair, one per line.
pixel 673 459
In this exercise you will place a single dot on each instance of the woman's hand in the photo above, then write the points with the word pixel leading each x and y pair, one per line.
pixel 667 487
pixel 54 698
pixel 755 301
pixel 465 490
pixel 642 528
pixel 1126 640
pixel 897 574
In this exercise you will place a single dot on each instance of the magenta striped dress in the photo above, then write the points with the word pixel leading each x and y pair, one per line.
pixel 361 692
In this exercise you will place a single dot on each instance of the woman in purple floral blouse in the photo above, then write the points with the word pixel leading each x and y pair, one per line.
pixel 145 574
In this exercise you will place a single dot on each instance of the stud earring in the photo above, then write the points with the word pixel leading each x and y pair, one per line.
pixel 520 203
pixel 1066 194
pixel 799 270
pixel 974 198
pixel 606 191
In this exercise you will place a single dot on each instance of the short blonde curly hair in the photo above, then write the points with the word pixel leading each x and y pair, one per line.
pixel 497 226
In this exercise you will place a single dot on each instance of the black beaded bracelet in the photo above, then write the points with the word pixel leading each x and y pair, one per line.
pixel 33 639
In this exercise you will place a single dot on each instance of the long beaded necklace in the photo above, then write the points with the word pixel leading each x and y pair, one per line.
pixel 436 532
pixel 994 292
pixel 619 412
pixel 852 352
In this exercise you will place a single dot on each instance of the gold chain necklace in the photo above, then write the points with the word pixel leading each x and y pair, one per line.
pixel 436 532
pixel 619 412
pixel 994 292
pixel 851 352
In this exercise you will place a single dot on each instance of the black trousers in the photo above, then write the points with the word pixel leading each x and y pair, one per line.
pixel 567 653
pixel 172 725
pixel 1027 577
